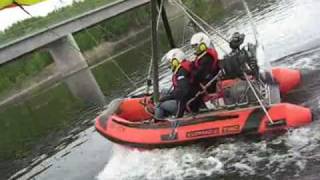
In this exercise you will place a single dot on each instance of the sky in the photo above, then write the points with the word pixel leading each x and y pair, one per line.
pixel 11 15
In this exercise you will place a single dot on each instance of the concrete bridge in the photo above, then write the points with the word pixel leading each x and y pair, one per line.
pixel 58 40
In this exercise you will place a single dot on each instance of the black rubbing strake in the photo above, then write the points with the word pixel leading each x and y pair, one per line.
pixel 253 122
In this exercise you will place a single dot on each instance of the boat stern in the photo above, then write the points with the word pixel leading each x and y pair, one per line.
pixel 288 79
pixel 286 116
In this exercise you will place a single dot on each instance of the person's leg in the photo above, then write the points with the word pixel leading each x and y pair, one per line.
pixel 212 88
pixel 165 109
pixel 197 104
pixel 159 112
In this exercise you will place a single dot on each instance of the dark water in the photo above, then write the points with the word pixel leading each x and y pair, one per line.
pixel 51 136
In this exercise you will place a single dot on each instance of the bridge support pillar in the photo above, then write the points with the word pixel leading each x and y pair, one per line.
pixel 72 65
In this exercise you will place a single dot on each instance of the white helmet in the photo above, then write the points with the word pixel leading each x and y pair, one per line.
pixel 200 42
pixel 174 57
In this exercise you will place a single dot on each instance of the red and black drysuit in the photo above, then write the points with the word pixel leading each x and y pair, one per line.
pixel 205 68
pixel 183 89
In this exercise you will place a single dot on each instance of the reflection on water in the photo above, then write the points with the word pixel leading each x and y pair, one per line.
pixel 35 126
pixel 23 125
pixel 134 63
pixel 52 122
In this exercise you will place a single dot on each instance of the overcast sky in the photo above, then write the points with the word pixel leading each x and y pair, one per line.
pixel 11 15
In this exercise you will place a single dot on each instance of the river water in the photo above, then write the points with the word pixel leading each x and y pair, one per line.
pixel 51 135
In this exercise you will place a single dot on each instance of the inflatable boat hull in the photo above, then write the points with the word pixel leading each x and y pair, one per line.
pixel 203 126
pixel 126 121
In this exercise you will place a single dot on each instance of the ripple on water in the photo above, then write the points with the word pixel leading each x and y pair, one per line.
pixel 266 157
pixel 269 157
pixel 285 155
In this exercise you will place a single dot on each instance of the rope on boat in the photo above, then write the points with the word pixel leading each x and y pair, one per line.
pixel 258 98
pixel 259 44
pixel 198 24
pixel 256 36
pixel 184 32
pixel 142 53
pixel 125 74
pixel 159 15
pixel 149 82
pixel 122 42
pixel 113 61
pixel 205 23
pixel 254 28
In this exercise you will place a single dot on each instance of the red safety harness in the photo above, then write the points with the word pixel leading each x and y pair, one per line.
pixel 187 66
pixel 214 56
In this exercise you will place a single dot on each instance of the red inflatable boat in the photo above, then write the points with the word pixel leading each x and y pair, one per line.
pixel 127 121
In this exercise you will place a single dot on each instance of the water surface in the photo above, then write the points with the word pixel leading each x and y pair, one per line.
pixel 51 134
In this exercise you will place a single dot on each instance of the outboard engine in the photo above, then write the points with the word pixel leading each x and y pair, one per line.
pixel 240 61
pixel 234 65
pixel 239 95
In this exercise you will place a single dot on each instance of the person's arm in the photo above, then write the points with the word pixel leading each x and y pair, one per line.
pixel 181 89
pixel 183 85
pixel 204 68
pixel 181 92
